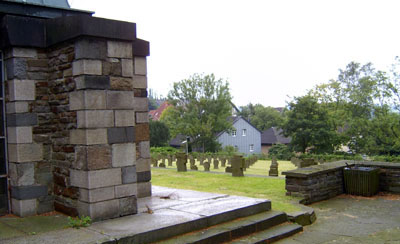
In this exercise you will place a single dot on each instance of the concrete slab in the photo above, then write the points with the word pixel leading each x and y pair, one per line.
pixel 225 208
pixel 37 224
pixel 164 197
pixel 184 195
pixel 7 232
pixel 351 219
pixel 167 213
pixel 64 236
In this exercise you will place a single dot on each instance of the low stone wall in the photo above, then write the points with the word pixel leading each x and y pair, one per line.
pixel 321 182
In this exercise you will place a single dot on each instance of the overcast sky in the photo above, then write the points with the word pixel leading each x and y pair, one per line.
pixel 267 50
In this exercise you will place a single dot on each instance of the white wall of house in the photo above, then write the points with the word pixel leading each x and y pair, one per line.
pixel 247 139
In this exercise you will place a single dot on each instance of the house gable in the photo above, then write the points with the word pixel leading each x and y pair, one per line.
pixel 247 138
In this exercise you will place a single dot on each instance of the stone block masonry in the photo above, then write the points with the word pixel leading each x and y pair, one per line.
pixel 77 122
pixel 321 182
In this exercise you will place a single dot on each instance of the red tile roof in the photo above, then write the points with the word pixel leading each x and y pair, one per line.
pixel 156 113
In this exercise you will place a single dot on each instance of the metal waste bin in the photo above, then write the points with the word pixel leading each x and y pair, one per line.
pixel 361 181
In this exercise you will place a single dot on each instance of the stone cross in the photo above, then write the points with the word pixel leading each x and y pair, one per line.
pixel 181 161
pixel 154 161
pixel 192 161
pixel 223 162
pixel 237 166
pixel 170 160
pixel 273 171
pixel 201 159
pixel 216 162
pixel 209 158
pixel 206 165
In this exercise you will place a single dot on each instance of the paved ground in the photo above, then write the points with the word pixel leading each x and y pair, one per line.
pixel 349 219
pixel 179 209
pixel 343 219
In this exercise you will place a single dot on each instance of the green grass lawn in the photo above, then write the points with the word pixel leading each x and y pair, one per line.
pixel 258 187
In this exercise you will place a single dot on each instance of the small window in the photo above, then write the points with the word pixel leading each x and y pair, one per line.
pixel 244 132
pixel 251 147
pixel 233 133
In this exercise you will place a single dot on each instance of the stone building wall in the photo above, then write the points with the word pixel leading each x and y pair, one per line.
pixel 321 182
pixel 316 187
pixel 26 108
pixel 77 124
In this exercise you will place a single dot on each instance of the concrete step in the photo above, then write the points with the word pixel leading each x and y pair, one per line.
pixel 231 230
pixel 270 235
pixel 192 211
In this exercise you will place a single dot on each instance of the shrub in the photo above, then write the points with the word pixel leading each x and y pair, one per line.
pixel 281 152
pixel 78 222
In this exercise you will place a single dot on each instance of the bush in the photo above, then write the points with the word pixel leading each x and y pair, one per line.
pixel 281 152
pixel 159 134
pixel 163 150
pixel 331 157
pixel 387 158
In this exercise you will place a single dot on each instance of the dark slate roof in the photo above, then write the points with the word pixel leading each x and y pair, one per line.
pixel 234 119
pixel 177 141
pixel 273 136
pixel 48 3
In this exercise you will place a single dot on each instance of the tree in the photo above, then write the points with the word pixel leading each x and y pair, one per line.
pixel 309 126
pixel 261 117
pixel 159 134
pixel 266 117
pixel 201 107
pixel 354 101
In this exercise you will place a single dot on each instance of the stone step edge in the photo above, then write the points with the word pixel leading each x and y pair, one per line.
pixel 194 225
pixel 306 216
pixel 272 234
pixel 233 229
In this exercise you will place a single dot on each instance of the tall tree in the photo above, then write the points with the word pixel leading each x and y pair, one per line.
pixel 201 107
pixel 309 125
pixel 159 134
pixel 354 101
pixel 261 117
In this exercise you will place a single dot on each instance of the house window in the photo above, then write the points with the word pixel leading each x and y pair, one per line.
pixel 244 131
pixel 233 133
pixel 251 147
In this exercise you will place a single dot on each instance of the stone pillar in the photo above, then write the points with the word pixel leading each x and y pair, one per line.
pixel 111 139
pixel 181 161
pixel 30 175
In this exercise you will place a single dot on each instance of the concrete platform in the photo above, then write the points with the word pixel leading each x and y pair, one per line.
pixel 167 213
pixel 352 219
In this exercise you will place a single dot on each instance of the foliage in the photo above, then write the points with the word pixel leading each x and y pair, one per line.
pixel 159 134
pixel 281 152
pixel 387 158
pixel 262 117
pixel 360 104
pixel 78 222
pixel 309 126
pixel 229 150
pixel 201 107
pixel 168 117
pixel 331 157
pixel 163 150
